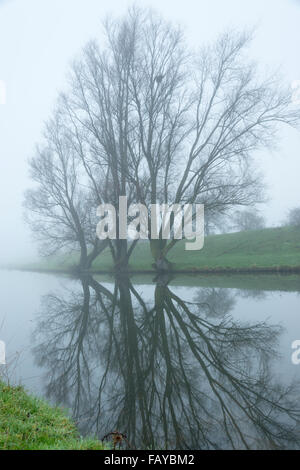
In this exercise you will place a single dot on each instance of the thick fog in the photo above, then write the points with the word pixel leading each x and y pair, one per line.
pixel 38 40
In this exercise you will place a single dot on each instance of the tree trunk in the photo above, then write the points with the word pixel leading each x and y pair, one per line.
pixel 121 262
pixel 99 246
pixel 161 264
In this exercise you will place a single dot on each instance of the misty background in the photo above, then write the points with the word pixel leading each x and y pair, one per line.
pixel 38 41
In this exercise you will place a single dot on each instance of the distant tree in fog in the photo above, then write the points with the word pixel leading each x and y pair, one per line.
pixel 216 223
pixel 248 220
pixel 293 218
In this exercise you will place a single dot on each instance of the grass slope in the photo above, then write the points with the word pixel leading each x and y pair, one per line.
pixel 268 249
pixel 28 423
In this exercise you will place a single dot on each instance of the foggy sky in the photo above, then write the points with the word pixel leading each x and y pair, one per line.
pixel 38 40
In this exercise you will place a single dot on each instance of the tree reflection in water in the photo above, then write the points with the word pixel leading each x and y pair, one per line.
pixel 168 373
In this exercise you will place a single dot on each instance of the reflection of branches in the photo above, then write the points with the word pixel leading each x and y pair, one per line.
pixel 243 397
pixel 71 327
pixel 216 301
pixel 167 373
pixel 253 294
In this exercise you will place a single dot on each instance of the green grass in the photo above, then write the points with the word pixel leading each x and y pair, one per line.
pixel 28 423
pixel 269 249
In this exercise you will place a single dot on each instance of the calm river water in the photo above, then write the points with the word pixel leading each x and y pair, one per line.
pixel 188 363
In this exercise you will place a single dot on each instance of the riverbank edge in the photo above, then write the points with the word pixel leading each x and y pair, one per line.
pixel 204 270
pixel 30 423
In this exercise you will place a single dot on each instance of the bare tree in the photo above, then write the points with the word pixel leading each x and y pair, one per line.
pixel 216 222
pixel 200 124
pixel 248 220
pixel 293 218
pixel 59 207
pixel 99 107
pixel 158 123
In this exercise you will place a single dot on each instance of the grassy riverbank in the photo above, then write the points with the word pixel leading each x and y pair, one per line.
pixel 28 423
pixel 267 250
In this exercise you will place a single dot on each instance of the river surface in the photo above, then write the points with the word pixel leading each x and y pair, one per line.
pixel 184 363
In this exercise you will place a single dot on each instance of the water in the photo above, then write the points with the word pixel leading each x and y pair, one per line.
pixel 184 363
